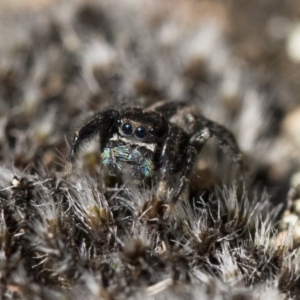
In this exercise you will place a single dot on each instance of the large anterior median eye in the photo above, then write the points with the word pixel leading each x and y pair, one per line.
pixel 140 132
pixel 127 128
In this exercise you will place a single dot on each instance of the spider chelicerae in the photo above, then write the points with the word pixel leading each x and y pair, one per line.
pixel 159 141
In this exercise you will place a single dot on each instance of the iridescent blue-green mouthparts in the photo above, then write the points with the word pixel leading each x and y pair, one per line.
pixel 113 158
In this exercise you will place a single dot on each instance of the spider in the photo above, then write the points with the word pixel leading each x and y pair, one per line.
pixel 164 139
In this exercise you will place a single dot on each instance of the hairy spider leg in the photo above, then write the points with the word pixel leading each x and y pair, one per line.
pixel 168 108
pixel 203 128
pixel 199 139
pixel 189 160
pixel 100 124
pixel 224 138
pixel 174 144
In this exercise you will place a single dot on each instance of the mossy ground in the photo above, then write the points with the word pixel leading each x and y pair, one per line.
pixel 90 236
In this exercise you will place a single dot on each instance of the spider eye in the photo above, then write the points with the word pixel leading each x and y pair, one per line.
pixel 152 130
pixel 140 132
pixel 119 122
pixel 127 128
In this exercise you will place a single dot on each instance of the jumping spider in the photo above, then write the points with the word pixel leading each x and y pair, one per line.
pixel 164 139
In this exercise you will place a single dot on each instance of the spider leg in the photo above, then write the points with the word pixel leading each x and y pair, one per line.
pixel 224 137
pixel 175 156
pixel 100 124
pixel 199 139
pixel 188 161
pixel 168 157
pixel 168 108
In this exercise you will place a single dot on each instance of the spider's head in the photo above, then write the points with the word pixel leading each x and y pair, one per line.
pixel 135 137
pixel 142 125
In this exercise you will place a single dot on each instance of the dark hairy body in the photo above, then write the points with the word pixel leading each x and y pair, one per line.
pixel 161 140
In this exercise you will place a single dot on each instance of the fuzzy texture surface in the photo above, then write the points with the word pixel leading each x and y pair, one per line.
pixel 90 236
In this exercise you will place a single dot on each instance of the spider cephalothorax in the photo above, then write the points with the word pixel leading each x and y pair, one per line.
pixel 163 139
pixel 134 139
